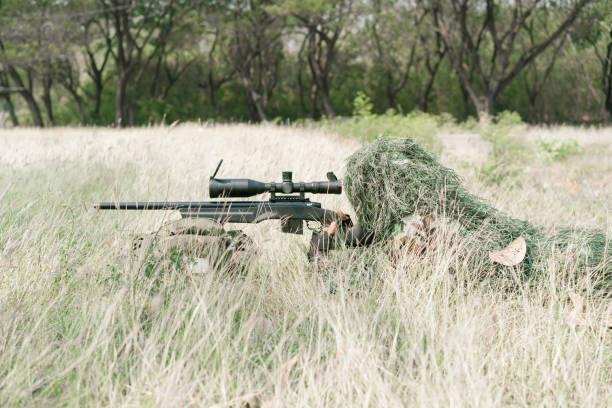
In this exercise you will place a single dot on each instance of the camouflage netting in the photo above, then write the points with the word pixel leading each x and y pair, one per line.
pixel 390 179
pixel 194 240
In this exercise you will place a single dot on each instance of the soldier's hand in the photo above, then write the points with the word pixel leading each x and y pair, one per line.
pixel 333 226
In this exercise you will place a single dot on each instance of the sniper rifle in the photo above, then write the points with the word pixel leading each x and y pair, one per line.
pixel 287 203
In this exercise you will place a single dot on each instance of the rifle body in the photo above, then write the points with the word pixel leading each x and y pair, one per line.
pixel 291 212
pixel 287 203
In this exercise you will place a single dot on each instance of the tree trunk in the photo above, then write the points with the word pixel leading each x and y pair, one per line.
pixel 390 94
pixel 46 97
pixel 155 80
pixel 609 96
pixel 484 107
pixel 533 113
pixel 79 106
pixel 300 81
pixel 28 97
pixel 608 77
pixel 95 113
pixel 96 75
pixel 130 113
pixel 314 92
pixel 34 109
pixel 465 98
pixel 326 104
pixel 212 91
pixel 4 83
pixel 426 93
pixel 121 101
pixel 11 110
pixel 430 82
pixel 320 73
pixel 259 108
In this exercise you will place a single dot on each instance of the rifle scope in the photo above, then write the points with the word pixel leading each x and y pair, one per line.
pixel 247 187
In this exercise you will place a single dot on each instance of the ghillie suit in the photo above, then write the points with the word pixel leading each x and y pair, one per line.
pixel 198 243
pixel 391 179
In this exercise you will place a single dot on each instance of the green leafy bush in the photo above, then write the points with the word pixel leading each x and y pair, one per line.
pixel 367 125
pixel 362 105
pixel 560 150
pixel 509 149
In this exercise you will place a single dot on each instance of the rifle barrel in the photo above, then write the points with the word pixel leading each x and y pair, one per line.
pixel 154 205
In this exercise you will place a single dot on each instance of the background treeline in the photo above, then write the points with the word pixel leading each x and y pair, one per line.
pixel 130 62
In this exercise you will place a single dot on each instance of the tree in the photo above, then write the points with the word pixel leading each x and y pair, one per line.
pixel 176 52
pixel 35 45
pixel 212 74
pixel 96 49
pixel 5 94
pixel 322 23
pixel 292 58
pixel 595 29
pixel 134 26
pixel 607 73
pixel 16 57
pixel 539 69
pixel 255 50
pixel 20 85
pixel 434 53
pixel 406 47
pixel 68 74
pixel 481 36
pixel 395 31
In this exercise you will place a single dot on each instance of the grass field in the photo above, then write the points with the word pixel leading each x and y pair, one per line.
pixel 82 325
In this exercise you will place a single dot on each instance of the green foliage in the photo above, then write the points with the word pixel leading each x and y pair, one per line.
pixel 362 105
pixel 366 125
pixel 39 43
pixel 509 150
pixel 558 150
pixel 508 119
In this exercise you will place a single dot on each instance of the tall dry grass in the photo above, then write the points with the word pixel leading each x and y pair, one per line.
pixel 82 324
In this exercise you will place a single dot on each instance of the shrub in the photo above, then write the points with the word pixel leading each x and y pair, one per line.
pixel 559 150
pixel 366 125
pixel 509 149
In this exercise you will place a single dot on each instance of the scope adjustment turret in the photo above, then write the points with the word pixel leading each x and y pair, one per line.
pixel 287 187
